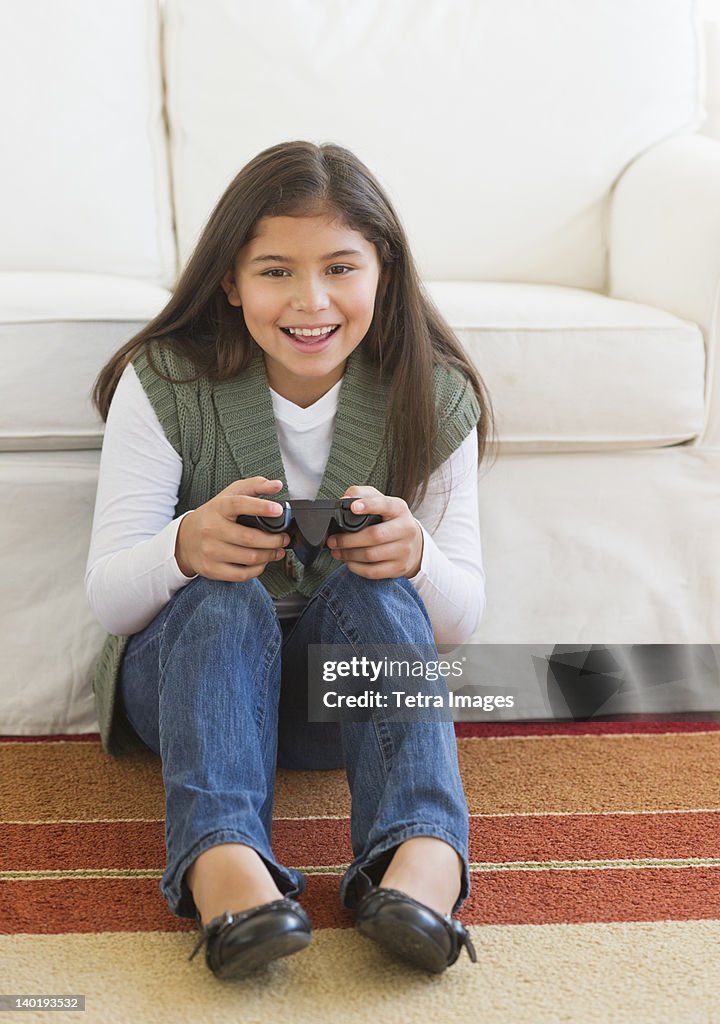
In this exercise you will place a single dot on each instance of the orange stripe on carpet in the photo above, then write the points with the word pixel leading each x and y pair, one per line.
pixel 501 775
pixel 591 773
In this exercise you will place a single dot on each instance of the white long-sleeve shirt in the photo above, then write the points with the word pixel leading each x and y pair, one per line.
pixel 132 572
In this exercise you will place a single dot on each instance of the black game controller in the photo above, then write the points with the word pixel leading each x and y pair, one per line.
pixel 309 523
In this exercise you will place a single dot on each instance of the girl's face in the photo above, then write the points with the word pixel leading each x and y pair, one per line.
pixel 301 274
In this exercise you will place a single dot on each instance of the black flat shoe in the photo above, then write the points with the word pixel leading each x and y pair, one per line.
pixel 413 931
pixel 242 942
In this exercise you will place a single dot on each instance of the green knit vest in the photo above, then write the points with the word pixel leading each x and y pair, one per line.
pixel 225 431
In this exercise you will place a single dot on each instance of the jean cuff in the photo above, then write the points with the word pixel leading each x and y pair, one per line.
pixel 378 858
pixel 175 889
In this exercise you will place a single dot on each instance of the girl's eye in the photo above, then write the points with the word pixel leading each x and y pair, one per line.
pixel 337 270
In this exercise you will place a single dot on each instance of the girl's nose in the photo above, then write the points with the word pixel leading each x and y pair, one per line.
pixel 310 294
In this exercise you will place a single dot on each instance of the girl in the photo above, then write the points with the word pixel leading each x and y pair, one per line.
pixel 297 358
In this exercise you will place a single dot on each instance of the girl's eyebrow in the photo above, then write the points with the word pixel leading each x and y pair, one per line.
pixel 287 259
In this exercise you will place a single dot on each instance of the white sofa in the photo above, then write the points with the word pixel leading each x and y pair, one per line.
pixel 564 207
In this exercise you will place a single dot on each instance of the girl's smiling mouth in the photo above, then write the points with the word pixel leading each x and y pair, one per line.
pixel 310 337
pixel 307 332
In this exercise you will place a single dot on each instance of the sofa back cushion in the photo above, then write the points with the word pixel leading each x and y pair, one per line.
pixel 497 126
pixel 85 171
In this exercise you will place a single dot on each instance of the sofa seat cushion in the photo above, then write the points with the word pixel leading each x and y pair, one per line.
pixel 57 330
pixel 567 370
pixel 571 370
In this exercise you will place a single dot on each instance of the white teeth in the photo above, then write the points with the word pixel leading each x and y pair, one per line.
pixel 315 332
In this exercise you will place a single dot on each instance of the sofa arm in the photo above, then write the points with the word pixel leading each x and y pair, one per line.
pixel 664 245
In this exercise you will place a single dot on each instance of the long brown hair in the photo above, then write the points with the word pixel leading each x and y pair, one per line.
pixel 407 338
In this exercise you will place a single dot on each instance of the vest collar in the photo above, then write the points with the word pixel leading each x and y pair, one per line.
pixel 244 409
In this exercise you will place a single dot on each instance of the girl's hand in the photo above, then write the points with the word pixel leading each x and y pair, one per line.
pixel 388 549
pixel 210 543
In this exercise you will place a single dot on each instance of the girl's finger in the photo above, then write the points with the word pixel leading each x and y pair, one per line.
pixel 375 570
pixel 232 573
pixel 222 553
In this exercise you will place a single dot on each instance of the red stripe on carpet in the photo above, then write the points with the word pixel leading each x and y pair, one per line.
pixel 578 897
pixel 83 737
pixel 497 897
pixel 141 845
pixel 644 724
pixel 538 837
pixel 59 906
pixel 326 842
pixel 468 730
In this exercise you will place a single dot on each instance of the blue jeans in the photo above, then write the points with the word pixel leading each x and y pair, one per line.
pixel 217 686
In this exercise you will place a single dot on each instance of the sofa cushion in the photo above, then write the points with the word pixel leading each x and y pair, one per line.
pixel 570 370
pixel 84 163
pixel 499 127
pixel 567 370
pixel 56 332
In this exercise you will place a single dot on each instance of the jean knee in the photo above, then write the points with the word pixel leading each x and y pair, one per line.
pixel 220 603
pixel 382 599
pixel 343 579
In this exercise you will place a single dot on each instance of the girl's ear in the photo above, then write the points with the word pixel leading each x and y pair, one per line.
pixel 230 288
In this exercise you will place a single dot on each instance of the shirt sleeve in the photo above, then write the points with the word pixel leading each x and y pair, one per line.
pixel 451 579
pixel 131 570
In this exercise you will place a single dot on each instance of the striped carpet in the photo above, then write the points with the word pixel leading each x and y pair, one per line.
pixel 595 858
